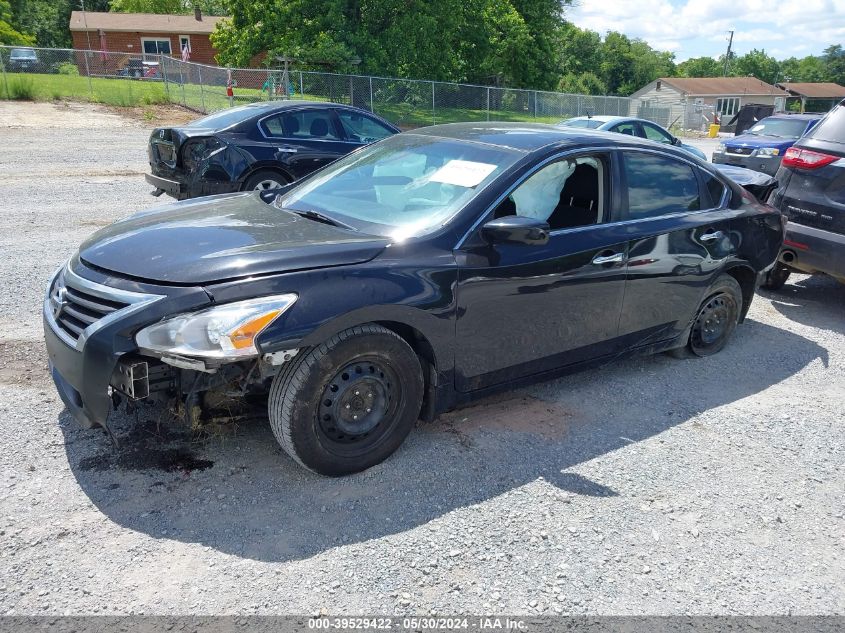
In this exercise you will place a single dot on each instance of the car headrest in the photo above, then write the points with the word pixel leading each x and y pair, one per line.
pixel 320 127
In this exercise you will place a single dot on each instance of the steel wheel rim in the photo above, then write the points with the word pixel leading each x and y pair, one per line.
pixel 267 183
pixel 358 406
pixel 713 323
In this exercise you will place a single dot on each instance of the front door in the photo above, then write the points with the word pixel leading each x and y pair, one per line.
pixel 525 309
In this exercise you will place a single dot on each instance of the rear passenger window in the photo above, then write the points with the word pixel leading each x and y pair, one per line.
pixel 831 127
pixel 659 185
pixel 302 124
pixel 715 189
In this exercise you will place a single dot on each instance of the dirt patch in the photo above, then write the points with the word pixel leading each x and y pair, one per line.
pixel 518 415
pixel 157 115
pixel 23 363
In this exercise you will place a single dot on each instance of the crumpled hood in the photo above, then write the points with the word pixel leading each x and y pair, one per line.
pixel 222 237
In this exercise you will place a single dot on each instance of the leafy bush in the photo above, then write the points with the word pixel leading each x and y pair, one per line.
pixel 67 68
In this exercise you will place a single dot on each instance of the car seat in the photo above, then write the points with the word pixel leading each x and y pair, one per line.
pixel 579 200
pixel 319 127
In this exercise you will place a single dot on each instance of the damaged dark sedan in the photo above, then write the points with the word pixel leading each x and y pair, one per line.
pixel 257 146
pixel 419 273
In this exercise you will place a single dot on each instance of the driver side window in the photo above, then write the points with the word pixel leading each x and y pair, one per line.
pixel 568 193
pixel 361 128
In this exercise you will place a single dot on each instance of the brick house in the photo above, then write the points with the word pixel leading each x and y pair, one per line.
pixel 146 35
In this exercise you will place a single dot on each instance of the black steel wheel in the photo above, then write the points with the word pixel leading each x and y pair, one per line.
pixel 715 320
pixel 349 403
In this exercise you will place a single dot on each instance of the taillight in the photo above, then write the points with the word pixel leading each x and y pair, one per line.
pixel 806 159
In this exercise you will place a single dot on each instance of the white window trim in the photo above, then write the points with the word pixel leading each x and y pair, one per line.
pixel 156 39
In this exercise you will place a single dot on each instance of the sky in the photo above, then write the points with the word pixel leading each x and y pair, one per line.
pixel 694 28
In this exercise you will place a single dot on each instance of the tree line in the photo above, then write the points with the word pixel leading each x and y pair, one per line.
pixel 514 43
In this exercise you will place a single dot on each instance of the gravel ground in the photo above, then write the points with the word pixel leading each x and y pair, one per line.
pixel 650 486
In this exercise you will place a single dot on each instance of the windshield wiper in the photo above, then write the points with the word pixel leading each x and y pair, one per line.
pixel 319 217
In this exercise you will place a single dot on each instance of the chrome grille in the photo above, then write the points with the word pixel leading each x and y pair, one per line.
pixel 76 307
pixel 741 151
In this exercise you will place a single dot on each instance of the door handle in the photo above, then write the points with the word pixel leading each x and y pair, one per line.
pixel 712 236
pixel 615 258
pixel 287 150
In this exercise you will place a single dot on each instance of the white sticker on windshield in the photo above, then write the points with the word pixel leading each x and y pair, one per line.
pixel 463 173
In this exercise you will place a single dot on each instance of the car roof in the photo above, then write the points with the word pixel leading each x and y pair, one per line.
pixel 527 137
pixel 800 117
pixel 603 118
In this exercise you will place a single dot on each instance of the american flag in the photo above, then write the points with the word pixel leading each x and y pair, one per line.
pixel 186 51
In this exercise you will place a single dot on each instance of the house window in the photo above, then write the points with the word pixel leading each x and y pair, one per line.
pixel 184 42
pixel 727 106
pixel 155 46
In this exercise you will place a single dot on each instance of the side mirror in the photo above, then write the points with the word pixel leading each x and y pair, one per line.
pixel 676 141
pixel 515 229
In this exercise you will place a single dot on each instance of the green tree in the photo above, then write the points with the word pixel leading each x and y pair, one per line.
pixel 700 67
pixel 757 63
pixel 810 69
pixel 173 7
pixel 49 20
pixel 584 83
pixel 834 61
pixel 579 50
pixel 8 34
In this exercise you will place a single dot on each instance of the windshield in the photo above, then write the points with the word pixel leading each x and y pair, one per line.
pixel 587 123
pixel 787 128
pixel 225 118
pixel 403 186
pixel 22 53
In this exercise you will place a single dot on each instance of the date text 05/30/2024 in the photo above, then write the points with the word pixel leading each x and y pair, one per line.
pixel 419 623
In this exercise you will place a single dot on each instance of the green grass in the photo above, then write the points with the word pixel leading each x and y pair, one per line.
pixel 129 92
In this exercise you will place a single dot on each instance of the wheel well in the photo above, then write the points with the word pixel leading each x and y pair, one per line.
pixel 274 169
pixel 747 280
pixel 425 352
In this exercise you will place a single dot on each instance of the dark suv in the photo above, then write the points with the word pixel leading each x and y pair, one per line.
pixel 811 194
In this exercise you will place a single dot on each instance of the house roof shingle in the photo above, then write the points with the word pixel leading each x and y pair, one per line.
pixel 824 90
pixel 142 22
pixel 712 86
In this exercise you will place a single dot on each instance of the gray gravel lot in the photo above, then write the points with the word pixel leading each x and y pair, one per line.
pixel 649 486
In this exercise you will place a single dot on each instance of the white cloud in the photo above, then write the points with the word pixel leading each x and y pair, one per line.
pixel 691 28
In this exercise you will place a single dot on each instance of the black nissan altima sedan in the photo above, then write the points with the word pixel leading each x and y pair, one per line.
pixel 256 146
pixel 413 275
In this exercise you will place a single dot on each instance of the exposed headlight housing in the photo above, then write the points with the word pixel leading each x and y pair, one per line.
pixel 225 332
pixel 720 148
pixel 768 151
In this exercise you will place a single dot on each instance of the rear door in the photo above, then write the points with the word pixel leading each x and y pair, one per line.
pixel 303 140
pixel 679 229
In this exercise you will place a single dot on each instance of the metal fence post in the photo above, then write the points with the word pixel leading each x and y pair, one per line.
pixel 5 79
pixel 88 75
pixel 182 83
pixel 488 103
pixel 372 105
pixel 301 86
pixel 433 115
pixel 163 76
pixel 535 104
pixel 202 91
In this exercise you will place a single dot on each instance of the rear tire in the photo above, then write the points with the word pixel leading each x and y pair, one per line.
pixel 776 278
pixel 715 320
pixel 347 404
pixel 264 180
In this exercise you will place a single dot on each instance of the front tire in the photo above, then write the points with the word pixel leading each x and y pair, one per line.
pixel 347 404
pixel 715 320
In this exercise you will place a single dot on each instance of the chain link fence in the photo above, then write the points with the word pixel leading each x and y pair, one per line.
pixel 125 79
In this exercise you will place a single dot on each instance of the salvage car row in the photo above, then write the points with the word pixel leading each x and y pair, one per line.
pixel 400 278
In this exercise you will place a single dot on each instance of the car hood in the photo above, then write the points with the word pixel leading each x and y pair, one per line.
pixel 222 237
pixel 758 140
pixel 744 177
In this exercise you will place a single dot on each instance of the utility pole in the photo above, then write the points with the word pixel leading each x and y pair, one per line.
pixel 728 54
